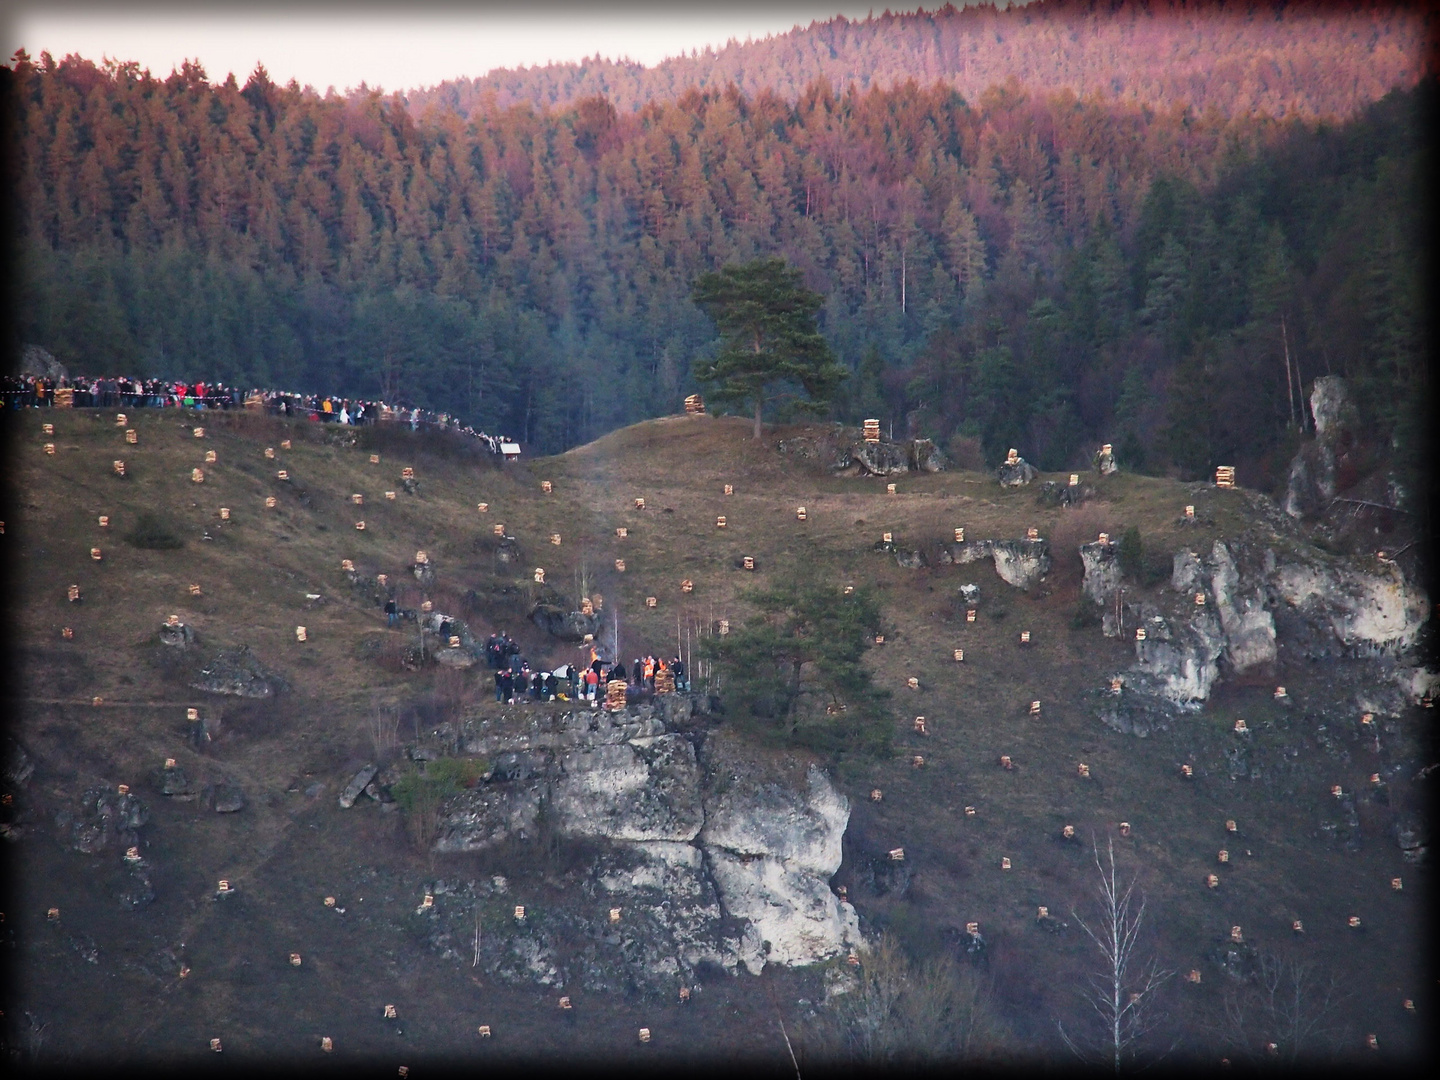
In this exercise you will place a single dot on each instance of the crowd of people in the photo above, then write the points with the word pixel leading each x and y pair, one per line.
pixel 516 682
pixel 83 392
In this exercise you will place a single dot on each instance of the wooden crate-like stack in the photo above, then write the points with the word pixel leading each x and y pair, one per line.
pixel 694 405
pixel 615 694
pixel 872 431
pixel 1225 476
pixel 664 681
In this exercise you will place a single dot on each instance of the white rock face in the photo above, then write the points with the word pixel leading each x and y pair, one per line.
pixel 1102 571
pixel 1021 563
pixel 686 849
pixel 1330 405
pixel 1249 628
pixel 1186 574
pixel 1178 663
pixel 772 852
pixel 642 790
pixel 1378 612
pixel 789 910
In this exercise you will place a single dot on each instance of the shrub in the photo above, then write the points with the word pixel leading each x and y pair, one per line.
pixel 421 792
pixel 1132 553
pixel 1087 614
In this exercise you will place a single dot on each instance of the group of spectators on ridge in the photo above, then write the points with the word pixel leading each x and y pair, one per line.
pixel 515 681
pixel 39 391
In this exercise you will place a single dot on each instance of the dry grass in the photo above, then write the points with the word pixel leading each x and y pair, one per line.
pixel 256 573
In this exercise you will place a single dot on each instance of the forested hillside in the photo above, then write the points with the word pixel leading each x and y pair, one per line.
pixel 1271 57
pixel 1021 269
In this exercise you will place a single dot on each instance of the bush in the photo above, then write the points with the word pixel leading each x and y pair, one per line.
pixel 154 532
pixel 965 452
pixel 1087 614
pixel 420 793
pixel 904 1010
pixel 1131 554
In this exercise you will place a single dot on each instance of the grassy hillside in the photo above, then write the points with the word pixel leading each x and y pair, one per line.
pixel 264 572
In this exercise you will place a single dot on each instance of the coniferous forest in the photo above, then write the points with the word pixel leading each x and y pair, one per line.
pixel 1015 266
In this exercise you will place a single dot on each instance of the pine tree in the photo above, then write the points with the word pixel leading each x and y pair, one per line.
pixel 766 319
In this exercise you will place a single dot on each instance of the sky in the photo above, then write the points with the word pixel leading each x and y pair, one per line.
pixel 393 46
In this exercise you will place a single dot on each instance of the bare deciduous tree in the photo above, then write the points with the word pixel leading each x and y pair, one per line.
pixel 900 1009
pixel 1285 1012
pixel 1122 991
pixel 382 725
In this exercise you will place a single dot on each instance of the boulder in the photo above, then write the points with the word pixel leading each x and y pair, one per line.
pixel 424 573
pixel 507 550
pixel 909 560
pixel 177 636
pixel 456 658
pixel 1133 712
pixel 1411 837
pixel 174 783
pixel 1102 578
pixel 238 673
pixel 970 594
pixel 18 767
pixel 1015 473
pixel 1021 563
pixel 1186 573
pixel 35 360
pixel 104 819
pixel 489 814
pixel 772 847
pixel 1331 407
pixel 1054 493
pixel 880 459
pixel 137 890
pixel 925 456
pixel 357 785
pixel 1317 467
pixel 970 551
pixel 859 458
pixel 566 625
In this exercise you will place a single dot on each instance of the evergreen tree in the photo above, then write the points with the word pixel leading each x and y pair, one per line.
pixel 766 319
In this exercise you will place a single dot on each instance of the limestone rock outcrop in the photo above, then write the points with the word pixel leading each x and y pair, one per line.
pixel 1021 563
pixel 1248 625
pixel 741 853
pixel 1102 580
pixel 1239 603
pixel 1316 470
pixel 1373 612
pixel 1015 473
pixel 772 843
pixel 1177 659
pixel 236 672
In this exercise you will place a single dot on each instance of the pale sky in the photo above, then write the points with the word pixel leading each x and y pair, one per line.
pixel 395 46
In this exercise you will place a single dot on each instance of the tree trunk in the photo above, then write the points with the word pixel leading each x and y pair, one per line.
pixel 757 416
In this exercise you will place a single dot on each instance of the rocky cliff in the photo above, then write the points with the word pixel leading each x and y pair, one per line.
pixel 709 855
pixel 1230 609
